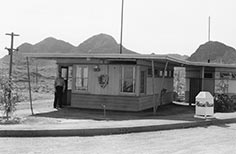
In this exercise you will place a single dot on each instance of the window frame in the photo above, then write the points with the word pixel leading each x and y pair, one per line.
pixel 143 81
pixel 134 70
pixel 83 78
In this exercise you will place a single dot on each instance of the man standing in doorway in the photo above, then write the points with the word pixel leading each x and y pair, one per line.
pixel 59 90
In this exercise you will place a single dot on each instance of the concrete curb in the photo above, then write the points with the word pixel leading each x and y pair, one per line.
pixel 110 131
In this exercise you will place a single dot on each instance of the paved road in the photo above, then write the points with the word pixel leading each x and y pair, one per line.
pixel 209 140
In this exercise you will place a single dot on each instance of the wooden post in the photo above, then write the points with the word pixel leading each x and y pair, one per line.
pixel 162 82
pixel 30 97
pixel 153 88
pixel 202 77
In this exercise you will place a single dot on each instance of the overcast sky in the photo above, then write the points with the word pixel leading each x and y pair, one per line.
pixel 150 26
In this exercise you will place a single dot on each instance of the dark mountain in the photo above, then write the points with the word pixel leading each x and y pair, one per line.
pixel 216 52
pixel 26 48
pixel 48 45
pixel 102 43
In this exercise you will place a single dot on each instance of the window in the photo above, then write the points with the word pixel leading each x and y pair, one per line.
pixel 166 73
pixel 170 73
pixel 234 75
pixel 142 82
pixel 128 79
pixel 149 72
pixel 208 75
pixel 160 73
pixel 156 73
pixel 81 78
pixel 225 75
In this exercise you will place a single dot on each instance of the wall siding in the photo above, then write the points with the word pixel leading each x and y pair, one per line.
pixel 113 86
pixel 146 102
pixel 122 103
pixel 168 84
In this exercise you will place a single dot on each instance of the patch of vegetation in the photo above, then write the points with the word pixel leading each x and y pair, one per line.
pixel 223 103
pixel 8 97
pixel 179 83
pixel 12 120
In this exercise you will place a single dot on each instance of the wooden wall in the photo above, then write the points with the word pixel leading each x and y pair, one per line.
pixel 120 103
pixel 146 102
pixel 113 86
pixel 168 84
pixel 111 95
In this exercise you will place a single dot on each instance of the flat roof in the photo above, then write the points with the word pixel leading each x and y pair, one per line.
pixel 155 57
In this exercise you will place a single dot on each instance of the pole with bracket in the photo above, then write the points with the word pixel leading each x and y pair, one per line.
pixel 10 50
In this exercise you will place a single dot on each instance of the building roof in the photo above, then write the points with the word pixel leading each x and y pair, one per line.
pixel 161 58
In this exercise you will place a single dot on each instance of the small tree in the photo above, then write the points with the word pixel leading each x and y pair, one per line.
pixel 8 96
pixel 223 103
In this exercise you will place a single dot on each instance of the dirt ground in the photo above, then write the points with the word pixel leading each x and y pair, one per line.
pixel 211 140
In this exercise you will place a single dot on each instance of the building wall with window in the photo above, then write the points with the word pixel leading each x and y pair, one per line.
pixel 113 86
pixel 121 79
pixel 225 81
pixel 215 80
pixel 116 85
pixel 160 82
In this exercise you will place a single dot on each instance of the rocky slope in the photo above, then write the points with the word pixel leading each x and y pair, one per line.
pixel 215 52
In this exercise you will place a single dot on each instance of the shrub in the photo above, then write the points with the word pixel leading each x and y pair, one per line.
pixel 8 104
pixel 223 103
pixel 234 101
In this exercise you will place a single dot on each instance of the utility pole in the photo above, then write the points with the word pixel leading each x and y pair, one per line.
pixel 209 28
pixel 10 50
pixel 30 96
pixel 121 27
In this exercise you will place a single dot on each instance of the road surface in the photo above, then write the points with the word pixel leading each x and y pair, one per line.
pixel 209 140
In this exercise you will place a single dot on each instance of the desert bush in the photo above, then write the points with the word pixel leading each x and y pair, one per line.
pixel 223 103
pixel 234 101
pixel 8 96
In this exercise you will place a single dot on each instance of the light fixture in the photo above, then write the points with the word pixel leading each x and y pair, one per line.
pixel 96 68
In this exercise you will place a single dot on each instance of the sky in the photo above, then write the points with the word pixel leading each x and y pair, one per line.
pixel 150 26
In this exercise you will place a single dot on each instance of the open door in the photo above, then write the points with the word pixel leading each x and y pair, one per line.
pixel 195 88
pixel 66 73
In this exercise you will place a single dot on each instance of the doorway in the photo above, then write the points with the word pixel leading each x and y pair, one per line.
pixel 66 73
pixel 195 88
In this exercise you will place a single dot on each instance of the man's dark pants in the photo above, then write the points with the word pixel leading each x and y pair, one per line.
pixel 58 97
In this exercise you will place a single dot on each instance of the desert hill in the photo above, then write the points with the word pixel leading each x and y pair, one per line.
pixel 102 43
pixel 214 51
pixel 48 45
